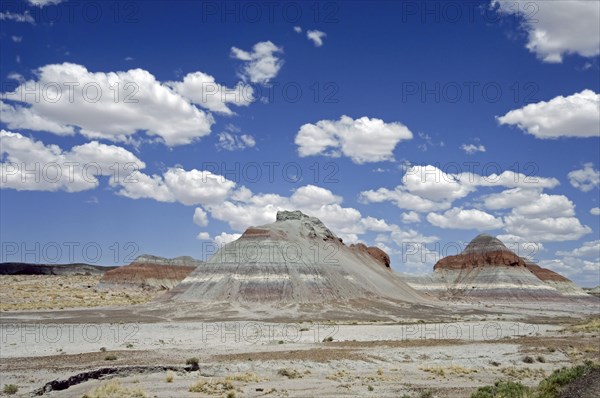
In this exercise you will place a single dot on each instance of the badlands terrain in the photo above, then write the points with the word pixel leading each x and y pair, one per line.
pixel 289 310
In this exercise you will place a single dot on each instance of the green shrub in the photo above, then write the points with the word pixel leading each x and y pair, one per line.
pixel 10 389
pixel 507 389
pixel 528 359
pixel 550 387
pixel 193 362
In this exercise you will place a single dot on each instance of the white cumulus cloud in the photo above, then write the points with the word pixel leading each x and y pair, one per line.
pixel 200 217
pixel 428 188
pixel 261 64
pixel 546 229
pixel 557 28
pixel 587 249
pixel 190 187
pixel 316 36
pixel 30 165
pixel 223 238
pixel 410 217
pixel 472 148
pixel 577 115
pixel 43 3
pixel 113 106
pixel 202 89
pixel 363 140
pixel 585 179
pixel 458 218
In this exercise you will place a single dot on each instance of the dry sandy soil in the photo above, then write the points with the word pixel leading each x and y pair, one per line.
pixel 146 355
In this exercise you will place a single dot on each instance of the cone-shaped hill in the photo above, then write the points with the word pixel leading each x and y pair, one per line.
pixel 295 262
pixel 486 268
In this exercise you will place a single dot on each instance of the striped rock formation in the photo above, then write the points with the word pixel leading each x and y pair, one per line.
pixel 150 272
pixel 295 262
pixel 487 269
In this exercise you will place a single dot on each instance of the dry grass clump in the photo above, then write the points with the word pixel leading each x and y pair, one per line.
pixel 247 377
pixel 337 376
pixel 453 370
pixel 213 387
pixel 523 373
pixel 114 389
pixel 170 376
pixel 10 389
pixel 528 359
pixel 289 373
pixel 587 327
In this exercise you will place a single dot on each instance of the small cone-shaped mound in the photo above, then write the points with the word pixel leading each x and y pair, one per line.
pixel 484 250
pixel 487 269
pixel 294 261
pixel 485 243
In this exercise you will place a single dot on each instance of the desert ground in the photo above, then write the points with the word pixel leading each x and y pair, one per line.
pixel 122 349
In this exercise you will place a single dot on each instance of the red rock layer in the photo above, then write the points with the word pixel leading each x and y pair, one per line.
pixel 545 274
pixel 379 255
pixel 480 259
pixel 148 275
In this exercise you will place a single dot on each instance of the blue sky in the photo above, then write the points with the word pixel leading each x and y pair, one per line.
pixel 406 125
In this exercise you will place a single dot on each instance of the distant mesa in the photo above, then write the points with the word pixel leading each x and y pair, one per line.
pixel 150 272
pixel 16 268
pixel 487 269
pixel 295 263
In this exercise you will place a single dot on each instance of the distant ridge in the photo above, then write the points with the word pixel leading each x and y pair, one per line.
pixel 16 268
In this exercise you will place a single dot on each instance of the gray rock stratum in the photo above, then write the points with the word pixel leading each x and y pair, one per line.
pixel 487 269
pixel 295 263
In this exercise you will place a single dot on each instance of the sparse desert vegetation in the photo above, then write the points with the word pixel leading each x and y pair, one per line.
pixel 289 373
pixel 10 389
pixel 114 389
pixel 212 387
pixel 453 370
pixel 590 326
pixel 193 362
pixel 44 292
pixel 550 387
